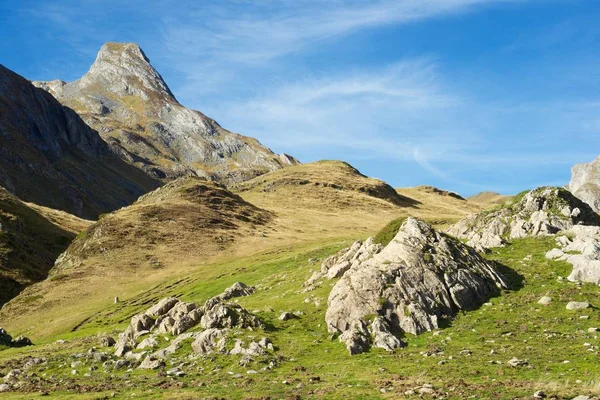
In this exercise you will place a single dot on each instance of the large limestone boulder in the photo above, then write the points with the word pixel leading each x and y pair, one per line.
pixel 420 277
pixel 543 211
pixel 585 183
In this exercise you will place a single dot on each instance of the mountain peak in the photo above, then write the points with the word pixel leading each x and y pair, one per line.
pixel 124 69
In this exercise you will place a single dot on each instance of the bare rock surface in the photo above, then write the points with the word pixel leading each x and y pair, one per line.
pixel 420 277
pixel 585 183
pixel 336 265
pixel 543 211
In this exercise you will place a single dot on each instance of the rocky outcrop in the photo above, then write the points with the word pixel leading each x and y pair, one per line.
pixel 585 183
pixel 543 211
pixel 335 266
pixel 7 341
pixel 50 156
pixel 217 319
pixel 580 247
pixel 420 277
pixel 129 103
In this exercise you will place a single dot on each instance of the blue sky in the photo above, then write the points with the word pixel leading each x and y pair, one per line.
pixel 466 95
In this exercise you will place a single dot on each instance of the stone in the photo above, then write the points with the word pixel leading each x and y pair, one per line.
pixel 545 300
pixel 419 263
pixel 585 183
pixel 238 289
pixel 515 362
pixel 219 315
pixel 209 341
pixel 151 363
pixel 4 388
pixel 12 376
pixel 577 305
pixel 107 341
pixel 148 342
pixel 539 395
pixel 162 307
pixel 21 341
pixel 286 316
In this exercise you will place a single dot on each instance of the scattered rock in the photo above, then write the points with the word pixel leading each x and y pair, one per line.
pixel 286 316
pixel 4 388
pixel 545 300
pixel 107 341
pixel 420 263
pixel 151 363
pixel 539 395
pixel 515 362
pixel 577 305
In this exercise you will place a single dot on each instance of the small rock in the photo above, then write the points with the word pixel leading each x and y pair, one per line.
pixel 107 341
pixel 546 300
pixel 581 397
pixel 515 362
pixel 593 330
pixel 4 388
pixel 539 395
pixel 577 305
pixel 286 316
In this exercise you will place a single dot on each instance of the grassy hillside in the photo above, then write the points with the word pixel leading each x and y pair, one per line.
pixel 486 199
pixel 440 207
pixel 466 358
pixel 31 238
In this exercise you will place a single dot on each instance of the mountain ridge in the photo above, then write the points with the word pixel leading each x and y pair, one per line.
pixel 126 99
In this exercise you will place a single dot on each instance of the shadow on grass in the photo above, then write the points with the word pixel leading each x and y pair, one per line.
pixel 515 280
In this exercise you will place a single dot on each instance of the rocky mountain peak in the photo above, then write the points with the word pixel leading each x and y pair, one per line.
pixel 124 69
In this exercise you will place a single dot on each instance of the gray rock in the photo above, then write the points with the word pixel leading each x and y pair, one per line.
pixel 545 300
pixel 420 276
pixel 515 362
pixel 12 376
pixel 585 183
pixel 337 265
pixel 221 316
pixel 577 305
pixel 162 307
pixel 107 341
pixel 4 388
pixel 210 340
pixel 286 316
pixel 151 363
pixel 238 289
pixel 148 342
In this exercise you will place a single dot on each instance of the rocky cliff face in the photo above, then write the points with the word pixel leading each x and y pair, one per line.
pixel 128 102
pixel 585 183
pixel 420 277
pixel 49 156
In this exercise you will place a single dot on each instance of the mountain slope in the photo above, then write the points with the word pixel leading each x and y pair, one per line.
pixel 164 234
pixel 488 198
pixel 49 156
pixel 128 102
pixel 31 238
pixel 439 206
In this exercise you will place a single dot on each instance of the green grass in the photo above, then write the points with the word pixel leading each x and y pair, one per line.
pixel 514 325
pixel 387 233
